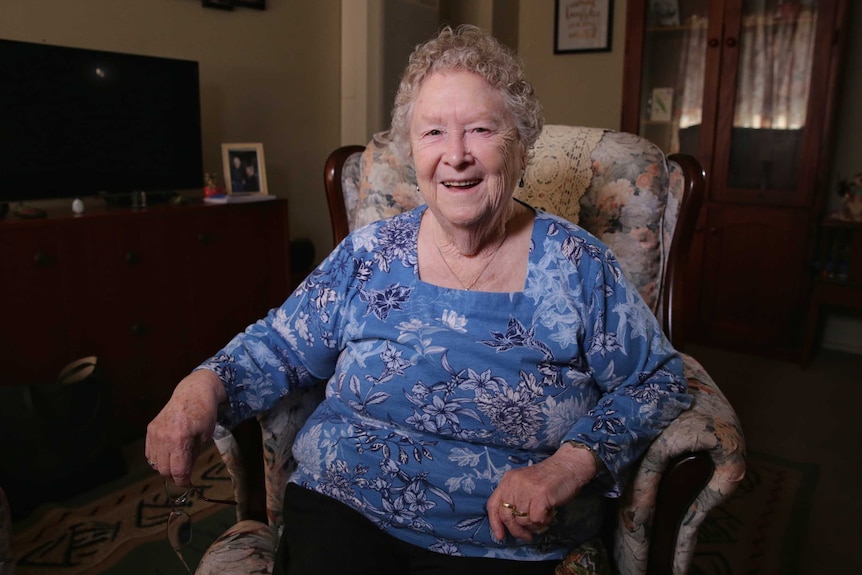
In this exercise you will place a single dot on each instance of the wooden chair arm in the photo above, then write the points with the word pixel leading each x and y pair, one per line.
pixel 684 478
pixel 335 193
pixel 247 437
pixel 675 306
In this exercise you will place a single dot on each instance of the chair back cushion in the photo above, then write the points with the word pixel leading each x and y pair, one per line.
pixel 618 186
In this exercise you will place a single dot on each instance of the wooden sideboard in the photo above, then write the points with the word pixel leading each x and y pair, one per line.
pixel 151 292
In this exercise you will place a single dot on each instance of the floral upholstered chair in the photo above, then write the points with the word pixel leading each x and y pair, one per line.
pixel 640 203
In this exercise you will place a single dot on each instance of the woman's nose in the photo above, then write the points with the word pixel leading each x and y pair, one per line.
pixel 457 153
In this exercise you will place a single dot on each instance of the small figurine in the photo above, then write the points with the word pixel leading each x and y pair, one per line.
pixel 211 187
pixel 850 192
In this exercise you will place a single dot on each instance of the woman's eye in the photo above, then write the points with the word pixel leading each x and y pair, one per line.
pixel 433 132
pixel 481 130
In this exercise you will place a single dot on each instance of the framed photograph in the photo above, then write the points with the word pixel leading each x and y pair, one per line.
pixel 583 26
pixel 256 4
pixel 219 4
pixel 244 168
pixel 661 105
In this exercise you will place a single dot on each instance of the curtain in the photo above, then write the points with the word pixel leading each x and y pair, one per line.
pixel 692 71
pixel 776 49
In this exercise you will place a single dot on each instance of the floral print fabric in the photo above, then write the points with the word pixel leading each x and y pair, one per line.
pixel 438 392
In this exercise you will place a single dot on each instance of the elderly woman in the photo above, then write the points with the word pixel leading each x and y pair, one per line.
pixel 491 373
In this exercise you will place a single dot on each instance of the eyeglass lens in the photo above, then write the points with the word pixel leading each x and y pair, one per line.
pixel 180 522
pixel 179 529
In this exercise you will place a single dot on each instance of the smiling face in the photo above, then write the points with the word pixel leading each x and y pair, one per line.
pixel 466 151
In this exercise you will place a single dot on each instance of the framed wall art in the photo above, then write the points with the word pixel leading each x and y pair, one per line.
pixel 583 26
pixel 244 168
pixel 661 105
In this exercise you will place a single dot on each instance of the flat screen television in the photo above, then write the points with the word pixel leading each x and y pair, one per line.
pixel 76 123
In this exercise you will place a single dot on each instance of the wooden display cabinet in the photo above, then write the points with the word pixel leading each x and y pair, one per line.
pixel 749 258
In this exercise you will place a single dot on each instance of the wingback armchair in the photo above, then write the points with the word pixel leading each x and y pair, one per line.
pixel 643 205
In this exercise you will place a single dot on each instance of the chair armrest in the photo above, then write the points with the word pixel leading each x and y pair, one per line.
pixel 242 453
pixel 247 547
pixel 258 455
pixel 709 429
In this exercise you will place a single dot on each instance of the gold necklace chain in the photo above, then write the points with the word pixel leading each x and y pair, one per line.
pixel 481 273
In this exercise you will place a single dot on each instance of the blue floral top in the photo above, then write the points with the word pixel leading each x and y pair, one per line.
pixel 433 393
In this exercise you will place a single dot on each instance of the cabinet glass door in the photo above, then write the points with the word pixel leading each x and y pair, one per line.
pixel 673 72
pixel 765 100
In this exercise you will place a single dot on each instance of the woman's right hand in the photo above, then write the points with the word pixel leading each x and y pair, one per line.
pixel 184 425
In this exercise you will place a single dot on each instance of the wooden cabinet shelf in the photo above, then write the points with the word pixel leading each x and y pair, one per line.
pixel 837 273
pixel 152 293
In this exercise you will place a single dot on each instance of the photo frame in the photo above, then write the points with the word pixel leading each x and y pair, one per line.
pixel 583 26
pixel 244 169
pixel 661 105
pixel 218 4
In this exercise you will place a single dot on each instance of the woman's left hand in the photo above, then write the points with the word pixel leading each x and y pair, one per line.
pixel 526 499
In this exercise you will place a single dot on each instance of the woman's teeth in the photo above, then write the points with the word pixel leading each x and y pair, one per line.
pixel 465 184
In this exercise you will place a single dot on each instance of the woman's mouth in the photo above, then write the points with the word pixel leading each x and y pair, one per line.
pixel 462 184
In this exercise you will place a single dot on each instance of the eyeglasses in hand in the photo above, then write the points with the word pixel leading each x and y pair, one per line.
pixel 179 522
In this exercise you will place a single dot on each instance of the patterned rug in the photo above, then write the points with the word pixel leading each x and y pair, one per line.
pixel 93 533
pixel 762 527
pixel 759 530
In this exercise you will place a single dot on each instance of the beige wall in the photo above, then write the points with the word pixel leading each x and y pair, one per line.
pixel 581 89
pixel 266 76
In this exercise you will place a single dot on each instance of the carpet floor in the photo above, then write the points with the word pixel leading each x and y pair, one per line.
pixel 121 526
pixel 120 530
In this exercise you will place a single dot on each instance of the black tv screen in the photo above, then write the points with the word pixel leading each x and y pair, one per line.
pixel 77 122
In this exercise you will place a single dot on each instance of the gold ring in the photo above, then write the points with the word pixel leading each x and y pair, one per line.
pixel 515 512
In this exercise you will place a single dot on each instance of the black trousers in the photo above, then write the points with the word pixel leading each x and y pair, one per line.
pixel 325 537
